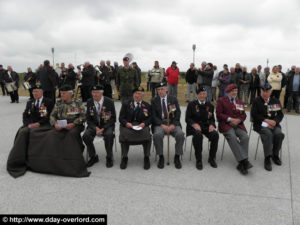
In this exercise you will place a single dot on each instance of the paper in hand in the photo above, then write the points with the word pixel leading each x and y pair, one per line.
pixel 62 123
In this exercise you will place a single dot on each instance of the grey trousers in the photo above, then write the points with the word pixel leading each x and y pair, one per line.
pixel 158 139
pixel 244 92
pixel 190 88
pixel 172 89
pixel 238 141
pixel 272 140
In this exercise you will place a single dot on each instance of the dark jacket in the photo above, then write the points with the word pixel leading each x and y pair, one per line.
pixel 234 78
pixel 48 78
pixel 191 76
pixel 289 86
pixel 156 105
pixel 224 80
pixel 88 76
pixel 128 113
pixel 244 76
pixel 104 78
pixel 254 81
pixel 71 78
pixel 108 111
pixel 33 114
pixel 207 76
pixel 31 78
pixel 259 112
pixel 200 114
pixel 2 72
pixel 14 77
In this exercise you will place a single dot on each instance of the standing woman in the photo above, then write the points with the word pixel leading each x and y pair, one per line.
pixel 214 84
pixel 274 80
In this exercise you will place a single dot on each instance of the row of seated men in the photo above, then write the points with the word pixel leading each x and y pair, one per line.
pixel 50 139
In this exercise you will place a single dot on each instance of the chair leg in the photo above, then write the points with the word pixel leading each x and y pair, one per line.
pixel 191 150
pixel 116 150
pixel 256 147
pixel 250 130
pixel 223 149
pixel 185 144
pixel 86 154
pixel 280 153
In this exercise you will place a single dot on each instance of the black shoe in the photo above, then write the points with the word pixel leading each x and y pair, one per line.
pixel 146 163
pixel 17 101
pixel 12 102
pixel 177 162
pixel 212 163
pixel 94 159
pixel 161 162
pixel 199 164
pixel 123 164
pixel 268 164
pixel 247 164
pixel 242 168
pixel 276 160
pixel 109 162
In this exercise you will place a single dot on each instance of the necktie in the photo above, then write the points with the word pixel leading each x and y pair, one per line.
pixel 164 108
pixel 37 103
pixel 99 108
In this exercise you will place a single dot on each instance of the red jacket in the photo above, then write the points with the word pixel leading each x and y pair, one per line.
pixel 172 75
pixel 225 109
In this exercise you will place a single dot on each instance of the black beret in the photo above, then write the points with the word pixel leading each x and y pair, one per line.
pixel 138 89
pixel 36 87
pixel 266 87
pixel 162 84
pixel 97 87
pixel 66 87
pixel 200 89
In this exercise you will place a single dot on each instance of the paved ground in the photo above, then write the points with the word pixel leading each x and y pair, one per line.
pixel 168 196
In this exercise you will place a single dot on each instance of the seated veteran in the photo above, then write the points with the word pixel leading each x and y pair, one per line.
pixel 35 123
pixel 101 119
pixel 60 149
pixel 266 115
pixel 135 119
pixel 231 115
pixel 162 106
pixel 200 121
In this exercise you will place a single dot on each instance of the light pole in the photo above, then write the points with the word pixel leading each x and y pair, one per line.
pixel 267 62
pixel 194 48
pixel 52 50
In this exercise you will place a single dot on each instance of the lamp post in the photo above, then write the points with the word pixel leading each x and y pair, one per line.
pixel 267 62
pixel 194 48
pixel 52 50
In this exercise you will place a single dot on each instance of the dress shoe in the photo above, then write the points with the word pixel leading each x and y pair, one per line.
pixel 199 164
pixel 123 164
pixel 17 101
pixel 248 165
pixel 94 159
pixel 276 160
pixel 161 162
pixel 109 162
pixel 212 163
pixel 177 162
pixel 268 164
pixel 146 163
pixel 242 168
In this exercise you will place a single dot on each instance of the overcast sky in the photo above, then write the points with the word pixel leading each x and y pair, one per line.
pixel 247 31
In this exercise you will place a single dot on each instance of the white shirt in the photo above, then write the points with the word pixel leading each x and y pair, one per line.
pixel 40 101
pixel 166 102
pixel 136 104
pixel 201 103
pixel 99 104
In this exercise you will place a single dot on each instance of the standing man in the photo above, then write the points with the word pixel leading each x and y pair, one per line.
pixel 135 121
pixel 200 120
pixel 35 118
pixel 293 88
pixel 13 78
pixel 172 75
pixel 48 80
pixel 101 119
pixel 138 71
pixel 156 75
pixel 244 85
pixel 191 79
pixel 87 80
pixel 207 76
pixel 2 83
pixel 104 79
pixel 127 80
pixel 162 105
pixel 30 77
pixel 111 75
pixel 267 114
pixel 231 116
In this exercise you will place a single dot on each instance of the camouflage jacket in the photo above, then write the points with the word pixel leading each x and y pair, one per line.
pixel 73 112
pixel 127 80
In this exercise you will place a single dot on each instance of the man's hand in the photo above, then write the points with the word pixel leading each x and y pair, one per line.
pixel 57 127
pixel 70 126
pixel 171 128
pixel 211 128
pixel 142 125
pixel 165 127
pixel 99 131
pixel 33 125
pixel 129 125
pixel 196 126
pixel 271 123
pixel 234 122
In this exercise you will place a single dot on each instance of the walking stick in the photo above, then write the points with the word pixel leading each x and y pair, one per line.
pixel 168 120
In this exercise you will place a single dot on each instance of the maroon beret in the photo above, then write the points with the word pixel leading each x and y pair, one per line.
pixel 230 87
